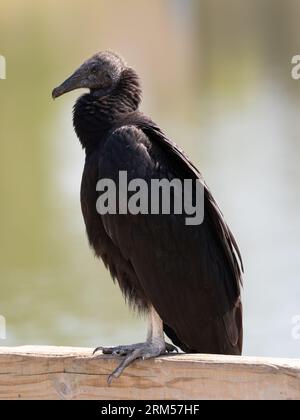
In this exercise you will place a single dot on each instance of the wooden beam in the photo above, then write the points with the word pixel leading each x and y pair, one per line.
pixel 73 373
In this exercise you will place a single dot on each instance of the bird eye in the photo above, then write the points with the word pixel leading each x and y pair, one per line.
pixel 94 69
pixel 107 77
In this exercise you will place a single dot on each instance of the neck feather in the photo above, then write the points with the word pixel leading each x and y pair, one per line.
pixel 94 116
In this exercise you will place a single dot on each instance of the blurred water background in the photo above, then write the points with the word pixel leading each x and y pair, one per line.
pixel 217 78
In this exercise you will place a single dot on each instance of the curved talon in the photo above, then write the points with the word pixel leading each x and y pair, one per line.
pixel 110 379
pixel 106 350
pixel 97 349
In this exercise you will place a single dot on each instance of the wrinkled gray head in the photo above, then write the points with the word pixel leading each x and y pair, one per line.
pixel 100 74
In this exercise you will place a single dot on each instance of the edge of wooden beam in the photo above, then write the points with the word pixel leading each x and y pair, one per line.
pixel 38 372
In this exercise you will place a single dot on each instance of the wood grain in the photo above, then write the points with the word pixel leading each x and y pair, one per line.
pixel 73 373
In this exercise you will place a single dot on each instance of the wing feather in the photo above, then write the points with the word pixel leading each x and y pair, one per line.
pixel 190 274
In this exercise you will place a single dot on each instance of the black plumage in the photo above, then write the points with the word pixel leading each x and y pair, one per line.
pixel 190 274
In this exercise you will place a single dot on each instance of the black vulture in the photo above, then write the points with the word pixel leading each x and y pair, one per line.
pixel 187 279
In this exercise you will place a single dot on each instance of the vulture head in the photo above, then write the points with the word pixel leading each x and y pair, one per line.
pixel 101 73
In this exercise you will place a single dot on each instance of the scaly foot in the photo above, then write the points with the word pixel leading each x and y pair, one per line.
pixel 133 352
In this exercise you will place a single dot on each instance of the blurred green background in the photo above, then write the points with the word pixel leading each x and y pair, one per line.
pixel 217 78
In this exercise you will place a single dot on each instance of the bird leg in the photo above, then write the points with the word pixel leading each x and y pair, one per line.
pixel 154 346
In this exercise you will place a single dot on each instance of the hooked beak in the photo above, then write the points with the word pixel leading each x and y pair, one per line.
pixel 73 82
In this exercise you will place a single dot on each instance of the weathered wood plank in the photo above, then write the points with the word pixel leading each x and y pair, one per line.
pixel 73 373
